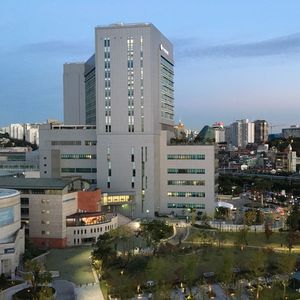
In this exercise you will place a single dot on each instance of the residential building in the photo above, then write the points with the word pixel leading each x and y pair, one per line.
pixel 261 131
pixel 242 133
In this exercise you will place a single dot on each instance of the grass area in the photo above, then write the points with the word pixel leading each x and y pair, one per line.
pixel 9 283
pixel 276 293
pixel 103 287
pixel 258 239
pixel 73 264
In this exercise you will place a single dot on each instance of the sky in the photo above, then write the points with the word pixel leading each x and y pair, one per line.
pixel 233 59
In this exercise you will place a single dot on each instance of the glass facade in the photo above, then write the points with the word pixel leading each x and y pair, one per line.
pixel 186 194
pixel 186 205
pixel 78 156
pixel 186 182
pixel 186 171
pixel 167 89
pixel 186 156
pixel 90 97
pixel 130 84
pixel 107 87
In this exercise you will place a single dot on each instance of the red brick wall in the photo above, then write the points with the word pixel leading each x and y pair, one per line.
pixel 50 242
pixel 89 200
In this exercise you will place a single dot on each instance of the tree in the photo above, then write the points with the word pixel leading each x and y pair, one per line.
pixel 257 266
pixel 225 271
pixel 104 248
pixel 36 274
pixel 286 265
pixel 268 231
pixel 242 237
pixel 293 219
pixel 154 231
pixel 291 240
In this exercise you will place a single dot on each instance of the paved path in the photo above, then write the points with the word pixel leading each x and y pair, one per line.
pixel 181 233
pixel 64 289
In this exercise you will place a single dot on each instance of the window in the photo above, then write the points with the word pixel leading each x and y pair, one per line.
pixel 108 185
pixel 186 205
pixel 24 201
pixel 132 185
pixel 133 172
pixel 65 143
pixel 186 194
pixel 187 156
pixel 186 171
pixel 186 182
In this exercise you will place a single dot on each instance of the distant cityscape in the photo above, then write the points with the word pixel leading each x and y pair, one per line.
pixel 120 178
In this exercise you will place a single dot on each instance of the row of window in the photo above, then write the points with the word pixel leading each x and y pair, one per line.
pixel 186 182
pixel 93 230
pixel 186 171
pixel 72 143
pixel 78 170
pixel 78 156
pixel 187 156
pixel 186 194
pixel 186 205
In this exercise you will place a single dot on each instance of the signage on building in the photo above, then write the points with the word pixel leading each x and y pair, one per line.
pixel 9 250
pixel 163 49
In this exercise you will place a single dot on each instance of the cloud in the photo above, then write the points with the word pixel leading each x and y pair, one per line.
pixel 59 47
pixel 283 45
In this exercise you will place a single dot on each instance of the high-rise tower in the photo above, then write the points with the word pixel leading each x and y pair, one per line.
pixel 134 100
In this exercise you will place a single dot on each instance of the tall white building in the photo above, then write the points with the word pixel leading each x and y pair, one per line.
pixel 129 96
pixel 242 133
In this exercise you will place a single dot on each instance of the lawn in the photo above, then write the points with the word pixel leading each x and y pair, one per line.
pixel 73 264
pixel 255 239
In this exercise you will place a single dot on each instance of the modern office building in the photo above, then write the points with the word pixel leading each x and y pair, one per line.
pixel 12 237
pixel 261 131
pixel 129 97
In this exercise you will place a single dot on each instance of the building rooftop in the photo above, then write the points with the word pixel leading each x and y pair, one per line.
pixel 7 193
pixel 35 183
pixel 124 25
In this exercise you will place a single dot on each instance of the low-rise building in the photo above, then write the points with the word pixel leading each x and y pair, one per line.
pixel 48 204
pixel 12 238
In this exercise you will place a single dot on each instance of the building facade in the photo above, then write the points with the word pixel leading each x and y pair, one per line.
pixel 129 96
pixel 261 131
pixel 68 150
pixel 12 237
pixel 242 133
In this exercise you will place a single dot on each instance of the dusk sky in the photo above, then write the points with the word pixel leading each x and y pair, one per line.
pixel 233 59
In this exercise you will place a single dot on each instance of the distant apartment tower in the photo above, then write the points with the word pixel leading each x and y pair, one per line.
pixel 242 133
pixel 261 131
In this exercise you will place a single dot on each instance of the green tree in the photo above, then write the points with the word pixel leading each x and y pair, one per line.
pixel 293 219
pixel 104 248
pixel 154 231
pixel 257 267
pixel 268 232
pixel 36 274
pixel 225 271
pixel 286 265
pixel 242 237
pixel 291 240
